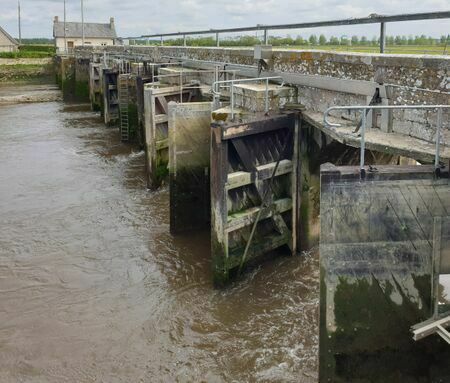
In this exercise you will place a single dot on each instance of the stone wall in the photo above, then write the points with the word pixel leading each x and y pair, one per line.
pixel 319 75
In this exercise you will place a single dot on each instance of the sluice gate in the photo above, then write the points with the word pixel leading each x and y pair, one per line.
pixel 241 155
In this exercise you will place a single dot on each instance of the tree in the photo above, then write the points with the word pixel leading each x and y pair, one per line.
pixel 313 40
pixel 355 40
pixel 323 40
pixel 334 40
pixel 364 40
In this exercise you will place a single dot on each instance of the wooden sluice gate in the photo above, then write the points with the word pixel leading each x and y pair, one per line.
pixel 253 191
pixel 95 86
pixel 383 240
pixel 156 100
pixel 110 96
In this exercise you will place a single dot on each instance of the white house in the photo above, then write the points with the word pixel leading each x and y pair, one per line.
pixel 7 43
pixel 95 34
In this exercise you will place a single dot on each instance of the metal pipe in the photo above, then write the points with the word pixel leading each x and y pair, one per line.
pixel 382 37
pixel 363 142
pixel 65 38
pixel 438 138
pixel 20 28
pixel 217 40
pixel 266 37
pixel 82 23
pixel 266 107
pixel 232 100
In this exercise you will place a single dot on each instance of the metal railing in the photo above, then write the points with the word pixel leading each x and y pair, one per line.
pixel 365 108
pixel 216 85
pixel 371 19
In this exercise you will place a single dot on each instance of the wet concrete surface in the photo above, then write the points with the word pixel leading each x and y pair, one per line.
pixel 94 288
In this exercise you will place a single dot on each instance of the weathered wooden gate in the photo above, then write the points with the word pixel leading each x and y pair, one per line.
pixel 189 162
pixel 156 128
pixel 376 268
pixel 253 190
pixel 110 97
pixel 95 85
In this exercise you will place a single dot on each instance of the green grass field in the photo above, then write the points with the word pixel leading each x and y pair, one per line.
pixel 396 49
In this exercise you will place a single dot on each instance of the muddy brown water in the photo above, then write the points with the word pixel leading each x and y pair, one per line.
pixel 93 287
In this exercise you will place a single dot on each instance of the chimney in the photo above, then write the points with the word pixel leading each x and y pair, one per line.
pixel 111 22
pixel 56 19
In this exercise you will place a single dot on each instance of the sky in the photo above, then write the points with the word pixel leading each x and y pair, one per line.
pixel 138 17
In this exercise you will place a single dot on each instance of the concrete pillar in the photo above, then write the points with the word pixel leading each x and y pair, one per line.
pixel 382 37
pixel 189 148
pixel 266 37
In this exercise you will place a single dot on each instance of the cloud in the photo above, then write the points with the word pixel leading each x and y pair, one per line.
pixel 137 17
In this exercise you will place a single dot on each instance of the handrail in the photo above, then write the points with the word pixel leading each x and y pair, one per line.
pixel 371 19
pixel 216 85
pixel 365 108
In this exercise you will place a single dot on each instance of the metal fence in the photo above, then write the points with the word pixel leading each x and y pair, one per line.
pixel 371 19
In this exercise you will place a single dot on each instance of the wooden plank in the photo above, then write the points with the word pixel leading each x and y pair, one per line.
pixel 163 103
pixel 263 172
pixel 161 118
pixel 162 144
pixel 219 238
pixel 247 217
pixel 259 126
pixel 257 249
pixel 243 154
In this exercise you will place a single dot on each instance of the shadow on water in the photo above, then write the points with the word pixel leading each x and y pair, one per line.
pixel 95 288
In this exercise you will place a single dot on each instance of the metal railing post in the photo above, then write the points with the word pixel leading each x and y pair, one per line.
pixel 363 143
pixel 266 107
pixel 382 37
pixel 232 100
pixel 266 37
pixel 162 41
pixel 217 40
pixel 438 138
pixel 184 40
pixel 364 108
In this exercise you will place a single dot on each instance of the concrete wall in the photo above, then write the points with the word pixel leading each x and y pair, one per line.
pixel 402 79
pixel 376 260
pixel 77 42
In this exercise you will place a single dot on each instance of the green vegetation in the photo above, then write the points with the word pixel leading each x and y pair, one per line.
pixel 394 44
pixel 26 73
pixel 30 52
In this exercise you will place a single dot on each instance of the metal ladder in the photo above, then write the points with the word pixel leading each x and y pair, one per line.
pixel 123 108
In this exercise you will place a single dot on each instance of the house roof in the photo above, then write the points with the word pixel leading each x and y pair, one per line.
pixel 8 36
pixel 91 30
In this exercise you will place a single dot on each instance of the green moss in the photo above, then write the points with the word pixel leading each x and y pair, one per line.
pixel 221 275
pixel 133 121
pixel 372 341
pixel 81 91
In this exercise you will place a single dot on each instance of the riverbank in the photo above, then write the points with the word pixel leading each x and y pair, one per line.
pixel 23 93
pixel 24 70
